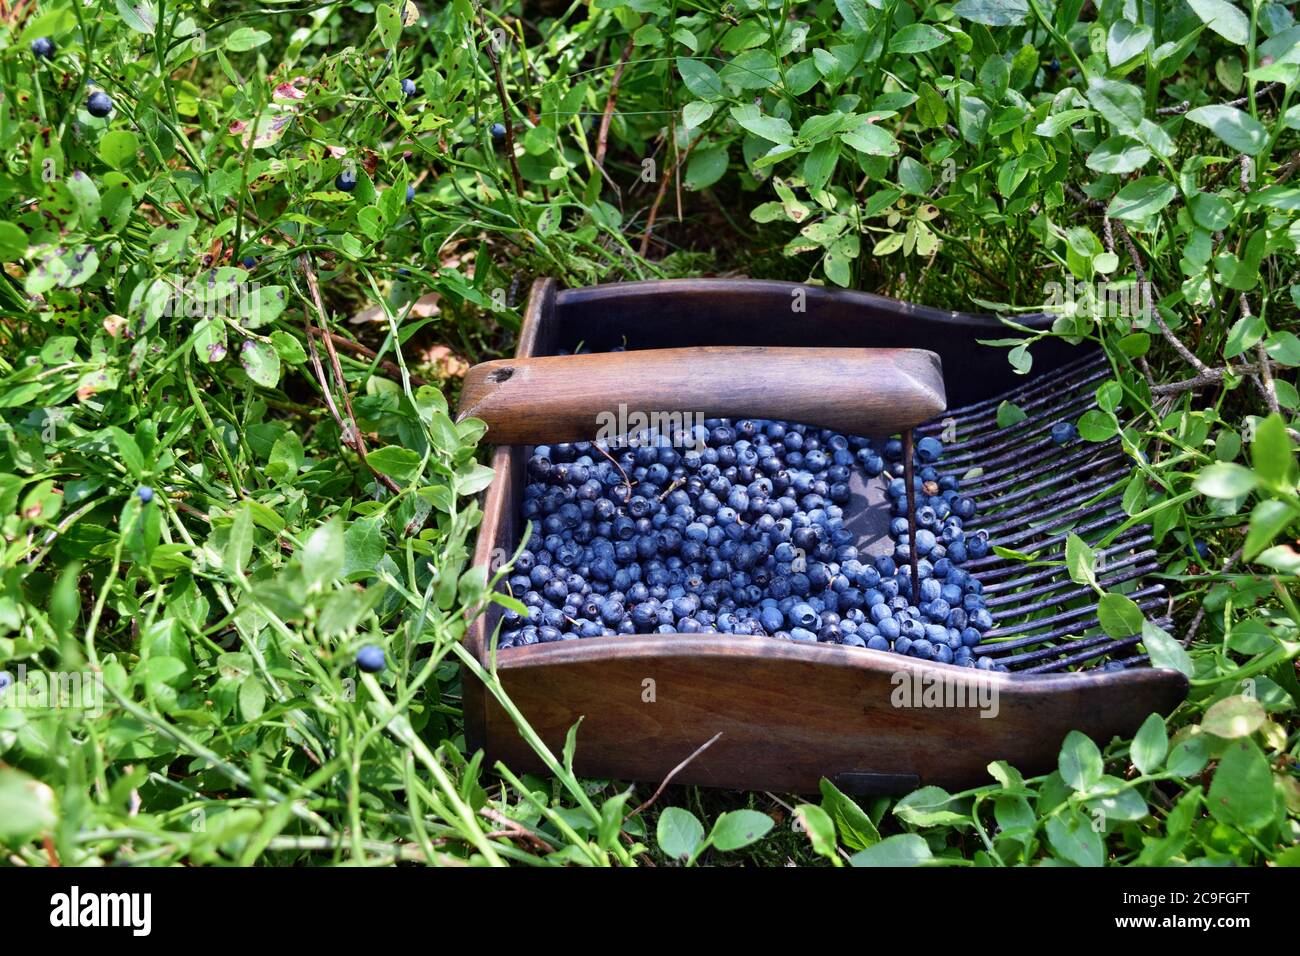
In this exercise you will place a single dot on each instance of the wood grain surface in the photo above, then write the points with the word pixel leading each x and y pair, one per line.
pixel 570 397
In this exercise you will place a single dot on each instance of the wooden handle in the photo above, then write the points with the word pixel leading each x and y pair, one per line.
pixel 872 392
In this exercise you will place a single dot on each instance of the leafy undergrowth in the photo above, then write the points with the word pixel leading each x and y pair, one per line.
pixel 235 308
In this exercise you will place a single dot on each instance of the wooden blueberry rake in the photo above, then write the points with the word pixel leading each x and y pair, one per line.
pixel 789 714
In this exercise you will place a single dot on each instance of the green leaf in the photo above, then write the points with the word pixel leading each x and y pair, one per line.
pixel 86 197
pixel 1118 155
pixel 1009 414
pixel 13 242
pixel 1073 839
pixel 1122 104
pixel 855 827
pixel 1142 198
pixel 1281 557
pixel 925 808
pixel 1234 717
pixel 141 16
pixel 1284 348
pixel 1080 761
pixel 1150 745
pixel 1126 40
pixel 1225 479
pixel 246 38
pixel 1224 19
pixel 679 833
pixel 1119 616
pixel 737 829
pixel 695 113
pixel 1239 130
pixel 706 167
pixel 913 177
pixel 28 807
pixel 871 139
pixel 817 823
pixel 252 698
pixel 322 554
pixel 993 13
pixel 261 362
pixel 390 24
pixel 1272 455
pixel 118 147
pixel 904 849
pixel 1097 426
pixel 917 38
pixel 1268 519
pixel 854 13
pixel 128 451
pixel 239 543
pixel 771 128
pixel 400 464
pixel 1080 560
pixel 700 79
pixel 1164 650
pixel 1241 794
pixel 1188 757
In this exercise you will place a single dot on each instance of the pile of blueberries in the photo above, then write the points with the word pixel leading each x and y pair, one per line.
pixel 738 528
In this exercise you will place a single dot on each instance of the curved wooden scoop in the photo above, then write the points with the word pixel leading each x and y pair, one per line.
pixel 872 392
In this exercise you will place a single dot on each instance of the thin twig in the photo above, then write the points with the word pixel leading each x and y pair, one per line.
pixel 505 109
pixel 1200 613
pixel 674 772
pixel 1185 105
pixel 357 348
pixel 350 431
pixel 663 189
pixel 1265 380
pixel 1172 339
pixel 602 137
pixel 514 830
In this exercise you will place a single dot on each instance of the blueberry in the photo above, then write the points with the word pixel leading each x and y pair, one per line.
pixel 928 449
pixel 1064 432
pixel 498 131
pixel 346 180
pixel 371 658
pixel 410 194
pixel 1199 550
pixel 144 493
pixel 409 87
pixel 99 104
pixel 248 262
pixel 43 47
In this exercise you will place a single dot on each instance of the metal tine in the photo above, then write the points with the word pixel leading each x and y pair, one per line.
pixel 1054 650
pixel 1038 409
pixel 1018 472
pixel 994 561
pixel 1058 579
pixel 1148 597
pixel 1035 409
pixel 1107 505
pixel 1048 640
pixel 1086 640
pixel 1044 395
pixel 1063 498
pixel 1056 478
pixel 1039 383
pixel 986 443
pixel 1095 651
pixel 991 580
pixel 1130 573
